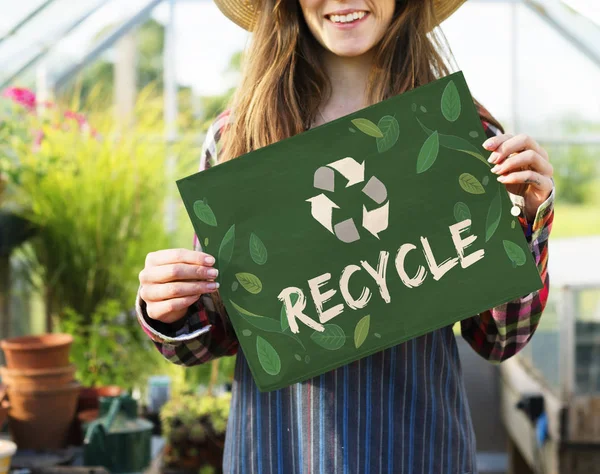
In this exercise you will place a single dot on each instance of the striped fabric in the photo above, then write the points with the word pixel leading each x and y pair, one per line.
pixel 403 410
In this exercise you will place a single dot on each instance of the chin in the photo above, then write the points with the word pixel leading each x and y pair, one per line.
pixel 350 51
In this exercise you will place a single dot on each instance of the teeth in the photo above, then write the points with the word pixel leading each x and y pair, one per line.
pixel 350 17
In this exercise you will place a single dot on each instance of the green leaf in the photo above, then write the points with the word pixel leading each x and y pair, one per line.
pixel 226 248
pixel 206 242
pixel 288 332
pixel 493 216
pixel 256 320
pixel 333 338
pixel 362 331
pixel 367 127
pixel 268 356
pixel 513 225
pixel 258 251
pixel 470 184
pixel 460 144
pixel 461 212
pixel 451 102
pixel 515 253
pixel 284 320
pixel 205 213
pixel 429 153
pixel 251 283
pixel 457 143
pixel 391 131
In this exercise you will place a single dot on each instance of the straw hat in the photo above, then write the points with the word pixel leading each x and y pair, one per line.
pixel 243 12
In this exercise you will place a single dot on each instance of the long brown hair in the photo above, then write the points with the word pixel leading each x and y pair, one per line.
pixel 284 83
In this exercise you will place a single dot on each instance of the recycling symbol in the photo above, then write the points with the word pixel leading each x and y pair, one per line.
pixel 374 221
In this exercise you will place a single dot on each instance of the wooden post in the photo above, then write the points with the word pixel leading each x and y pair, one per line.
pixel 516 461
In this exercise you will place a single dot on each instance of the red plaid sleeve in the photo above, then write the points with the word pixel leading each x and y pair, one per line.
pixel 204 333
pixel 501 332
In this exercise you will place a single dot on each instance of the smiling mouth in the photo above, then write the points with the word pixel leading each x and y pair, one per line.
pixel 346 18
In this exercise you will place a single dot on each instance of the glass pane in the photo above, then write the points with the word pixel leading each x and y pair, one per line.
pixel 40 33
pixel 587 342
pixel 542 354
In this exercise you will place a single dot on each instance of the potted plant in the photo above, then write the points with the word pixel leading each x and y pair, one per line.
pixel 194 427
pixel 96 196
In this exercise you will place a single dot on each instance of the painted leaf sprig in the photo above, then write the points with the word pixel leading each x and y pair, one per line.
pixel 267 356
pixel 205 213
pixel 461 212
pixel 258 251
pixel 451 106
pixel 429 153
pixel 452 142
pixel 493 216
pixel 251 283
pixel 367 127
pixel 361 331
pixel 470 184
pixel 390 129
pixel 260 322
pixel 333 338
pixel 515 253
pixel 226 248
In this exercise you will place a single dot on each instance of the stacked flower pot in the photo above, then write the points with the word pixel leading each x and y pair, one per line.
pixel 42 390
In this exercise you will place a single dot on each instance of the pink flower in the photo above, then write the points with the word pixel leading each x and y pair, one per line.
pixel 79 118
pixel 21 96
pixel 38 137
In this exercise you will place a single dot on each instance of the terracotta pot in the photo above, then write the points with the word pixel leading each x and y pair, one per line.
pixel 37 352
pixel 38 378
pixel 89 397
pixel 40 419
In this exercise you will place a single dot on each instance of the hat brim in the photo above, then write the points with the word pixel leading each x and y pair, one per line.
pixel 243 12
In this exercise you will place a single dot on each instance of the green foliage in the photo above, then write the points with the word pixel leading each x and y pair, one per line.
pixel 110 349
pixel 576 172
pixel 98 204
pixel 187 410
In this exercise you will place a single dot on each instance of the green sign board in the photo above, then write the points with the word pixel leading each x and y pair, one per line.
pixel 360 234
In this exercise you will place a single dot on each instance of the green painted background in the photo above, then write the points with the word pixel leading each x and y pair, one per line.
pixel 264 193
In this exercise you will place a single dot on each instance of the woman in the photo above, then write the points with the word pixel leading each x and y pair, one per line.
pixel 310 62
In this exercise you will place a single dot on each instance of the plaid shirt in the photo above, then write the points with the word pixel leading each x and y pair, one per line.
pixel 408 407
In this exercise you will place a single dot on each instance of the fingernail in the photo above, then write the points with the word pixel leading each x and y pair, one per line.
pixel 495 169
pixel 488 143
pixel 209 260
pixel 212 286
pixel 501 178
pixel 213 272
pixel 492 157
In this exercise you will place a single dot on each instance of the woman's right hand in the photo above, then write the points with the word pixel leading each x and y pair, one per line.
pixel 172 280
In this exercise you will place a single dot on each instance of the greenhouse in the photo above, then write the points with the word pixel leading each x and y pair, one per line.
pixel 105 104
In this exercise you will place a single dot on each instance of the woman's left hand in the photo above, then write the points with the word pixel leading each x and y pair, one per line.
pixel 524 167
